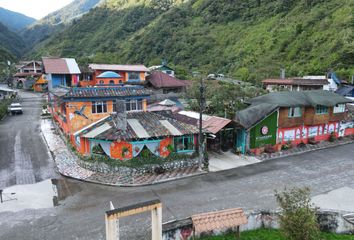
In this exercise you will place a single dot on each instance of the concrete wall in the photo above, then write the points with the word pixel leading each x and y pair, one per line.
pixel 329 221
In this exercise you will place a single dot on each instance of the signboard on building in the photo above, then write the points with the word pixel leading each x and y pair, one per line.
pixel 265 132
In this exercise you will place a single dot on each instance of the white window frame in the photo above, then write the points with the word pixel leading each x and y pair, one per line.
pixel 339 108
pixel 294 112
pixel 97 103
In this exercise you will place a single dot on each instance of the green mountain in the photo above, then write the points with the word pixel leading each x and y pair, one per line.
pixel 249 40
pixel 13 20
pixel 10 41
pixel 56 21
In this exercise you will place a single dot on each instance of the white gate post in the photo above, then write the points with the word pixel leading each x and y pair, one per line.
pixel 156 218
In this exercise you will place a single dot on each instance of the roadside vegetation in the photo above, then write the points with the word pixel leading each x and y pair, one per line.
pixel 3 107
pixel 270 234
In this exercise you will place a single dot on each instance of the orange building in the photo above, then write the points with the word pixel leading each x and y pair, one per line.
pixel 102 74
pixel 140 133
pixel 76 108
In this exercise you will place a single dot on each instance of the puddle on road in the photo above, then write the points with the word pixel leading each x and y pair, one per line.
pixel 45 194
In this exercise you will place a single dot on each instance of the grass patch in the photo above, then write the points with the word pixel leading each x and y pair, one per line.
pixel 270 234
pixel 3 107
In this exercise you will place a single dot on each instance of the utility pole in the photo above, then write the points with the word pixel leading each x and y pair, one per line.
pixel 201 109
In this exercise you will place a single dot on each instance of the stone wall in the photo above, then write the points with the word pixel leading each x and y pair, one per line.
pixel 105 168
pixel 329 221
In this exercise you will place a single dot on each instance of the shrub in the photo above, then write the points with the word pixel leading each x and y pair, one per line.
pixel 298 216
pixel 332 137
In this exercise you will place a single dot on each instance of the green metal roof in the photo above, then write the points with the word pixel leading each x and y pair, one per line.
pixel 252 115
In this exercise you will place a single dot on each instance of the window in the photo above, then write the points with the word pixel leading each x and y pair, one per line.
pixel 101 82
pixel 294 112
pixel 321 109
pixel 134 76
pixel 99 107
pixel 134 105
pixel 111 81
pixel 184 144
pixel 339 108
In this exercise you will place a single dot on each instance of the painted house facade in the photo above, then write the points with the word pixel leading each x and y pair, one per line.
pixel 61 72
pixel 293 117
pixel 128 74
pixel 76 108
pixel 125 136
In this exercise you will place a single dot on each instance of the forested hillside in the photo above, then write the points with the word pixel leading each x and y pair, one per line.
pixel 13 20
pixel 249 40
pixel 10 41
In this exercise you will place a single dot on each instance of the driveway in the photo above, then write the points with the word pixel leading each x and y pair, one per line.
pixel 228 160
pixel 24 157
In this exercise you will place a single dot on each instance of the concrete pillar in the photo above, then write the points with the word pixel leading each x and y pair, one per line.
pixel 156 225
pixel 112 227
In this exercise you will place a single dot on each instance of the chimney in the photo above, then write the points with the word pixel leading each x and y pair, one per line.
pixel 120 117
pixel 282 73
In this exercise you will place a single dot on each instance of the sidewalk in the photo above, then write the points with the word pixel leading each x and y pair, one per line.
pixel 306 148
pixel 67 165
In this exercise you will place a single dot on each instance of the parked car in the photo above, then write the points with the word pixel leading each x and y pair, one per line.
pixel 15 108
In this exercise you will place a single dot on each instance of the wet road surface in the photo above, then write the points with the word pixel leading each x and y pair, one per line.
pixel 81 206
pixel 24 157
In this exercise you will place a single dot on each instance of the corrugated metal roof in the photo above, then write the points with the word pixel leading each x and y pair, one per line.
pixel 89 126
pixel 215 124
pixel 106 92
pixel 97 131
pixel 170 127
pixel 72 65
pixel 60 66
pixel 119 67
pixel 161 80
pixel 138 128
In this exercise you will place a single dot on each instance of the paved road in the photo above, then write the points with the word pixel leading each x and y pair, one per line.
pixel 81 213
pixel 24 157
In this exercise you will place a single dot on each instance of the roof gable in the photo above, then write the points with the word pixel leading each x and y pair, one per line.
pixel 163 80
pixel 60 66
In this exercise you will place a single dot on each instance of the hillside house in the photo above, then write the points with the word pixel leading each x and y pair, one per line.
pixel 61 72
pixel 126 74
pixel 295 84
pixel 291 117
pixel 165 86
pixel 163 68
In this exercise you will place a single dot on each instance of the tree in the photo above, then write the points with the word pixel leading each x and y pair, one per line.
pixel 162 5
pixel 298 216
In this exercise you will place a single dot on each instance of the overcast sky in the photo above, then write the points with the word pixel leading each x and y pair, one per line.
pixel 34 8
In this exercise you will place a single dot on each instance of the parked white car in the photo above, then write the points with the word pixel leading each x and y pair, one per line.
pixel 15 108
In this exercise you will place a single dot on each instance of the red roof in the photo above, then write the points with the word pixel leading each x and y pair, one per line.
pixel 296 81
pixel 60 66
pixel 215 124
pixel 163 80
